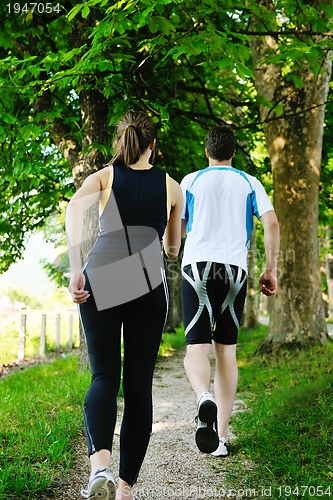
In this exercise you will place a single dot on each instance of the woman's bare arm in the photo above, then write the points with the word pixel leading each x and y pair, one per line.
pixel 86 196
pixel 172 234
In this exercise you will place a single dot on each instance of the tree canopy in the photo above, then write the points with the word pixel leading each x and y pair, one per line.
pixel 188 64
pixel 68 75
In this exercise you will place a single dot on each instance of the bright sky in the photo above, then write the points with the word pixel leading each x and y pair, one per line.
pixel 28 272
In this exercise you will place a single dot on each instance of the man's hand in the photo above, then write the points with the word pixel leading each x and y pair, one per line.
pixel 268 283
pixel 76 287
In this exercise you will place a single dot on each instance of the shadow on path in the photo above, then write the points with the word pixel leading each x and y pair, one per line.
pixel 173 467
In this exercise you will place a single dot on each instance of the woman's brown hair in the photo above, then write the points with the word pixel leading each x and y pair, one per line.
pixel 134 134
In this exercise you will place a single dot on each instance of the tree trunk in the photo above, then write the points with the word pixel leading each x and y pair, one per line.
pixel 173 272
pixel 251 302
pixel 94 112
pixel 294 143
pixel 94 116
pixel 329 273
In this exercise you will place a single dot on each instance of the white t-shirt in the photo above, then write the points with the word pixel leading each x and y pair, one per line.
pixel 219 205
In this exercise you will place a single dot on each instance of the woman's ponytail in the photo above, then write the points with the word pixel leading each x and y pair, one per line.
pixel 131 146
pixel 134 134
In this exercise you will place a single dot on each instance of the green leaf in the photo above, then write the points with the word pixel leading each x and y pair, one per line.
pixel 29 17
pixel 145 13
pixel 121 104
pixel 30 131
pixel 243 71
pixel 164 113
pixel 69 55
pixel 160 8
pixel 85 12
pixel 16 206
pixel 104 65
pixel 21 73
pixel 191 49
pixel 122 25
pixel 165 25
pixel 153 25
pixel 278 109
pixel 8 118
pixel 25 132
pixel 225 62
pixel 130 4
pixel 6 41
pixel 298 82
pixel 329 10
pixel 72 13
pixel 35 70
pixel 137 17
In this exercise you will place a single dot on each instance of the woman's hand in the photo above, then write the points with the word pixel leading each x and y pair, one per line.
pixel 76 287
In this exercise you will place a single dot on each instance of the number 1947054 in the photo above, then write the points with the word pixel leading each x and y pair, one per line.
pixel 39 8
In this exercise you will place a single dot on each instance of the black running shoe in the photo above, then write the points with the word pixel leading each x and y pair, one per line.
pixel 206 436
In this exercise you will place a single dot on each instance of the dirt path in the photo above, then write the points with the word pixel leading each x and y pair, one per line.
pixel 173 467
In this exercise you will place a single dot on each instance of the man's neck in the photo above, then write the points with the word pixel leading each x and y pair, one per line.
pixel 215 163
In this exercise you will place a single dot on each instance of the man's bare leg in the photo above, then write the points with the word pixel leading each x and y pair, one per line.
pixel 198 371
pixel 197 367
pixel 225 384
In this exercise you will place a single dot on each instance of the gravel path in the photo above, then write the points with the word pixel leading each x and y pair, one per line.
pixel 173 467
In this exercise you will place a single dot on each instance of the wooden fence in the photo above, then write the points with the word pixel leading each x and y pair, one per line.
pixel 45 330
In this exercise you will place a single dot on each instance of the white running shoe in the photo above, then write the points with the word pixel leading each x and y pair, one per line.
pixel 101 486
pixel 222 450
pixel 206 436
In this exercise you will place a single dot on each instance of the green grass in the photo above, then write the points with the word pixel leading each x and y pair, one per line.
pixel 40 416
pixel 284 433
pixel 171 342
pixel 41 419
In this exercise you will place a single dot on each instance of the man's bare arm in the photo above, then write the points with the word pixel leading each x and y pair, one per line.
pixel 268 281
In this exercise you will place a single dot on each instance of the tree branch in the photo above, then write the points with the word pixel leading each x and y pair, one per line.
pixel 274 34
pixel 202 118
pixel 284 116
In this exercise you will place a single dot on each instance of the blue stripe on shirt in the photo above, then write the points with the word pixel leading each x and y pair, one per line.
pixel 232 169
pixel 189 210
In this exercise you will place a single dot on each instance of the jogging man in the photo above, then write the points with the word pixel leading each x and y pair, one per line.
pixel 218 219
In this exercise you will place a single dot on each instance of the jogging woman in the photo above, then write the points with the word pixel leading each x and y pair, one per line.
pixel 122 288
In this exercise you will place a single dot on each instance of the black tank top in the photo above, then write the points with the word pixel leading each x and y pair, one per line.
pixel 137 198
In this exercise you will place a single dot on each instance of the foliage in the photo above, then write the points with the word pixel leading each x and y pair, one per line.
pixel 326 183
pixel 54 232
pixel 22 296
pixel 189 65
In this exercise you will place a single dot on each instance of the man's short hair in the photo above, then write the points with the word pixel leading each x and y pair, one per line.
pixel 221 143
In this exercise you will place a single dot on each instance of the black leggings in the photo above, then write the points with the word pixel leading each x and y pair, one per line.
pixel 143 321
